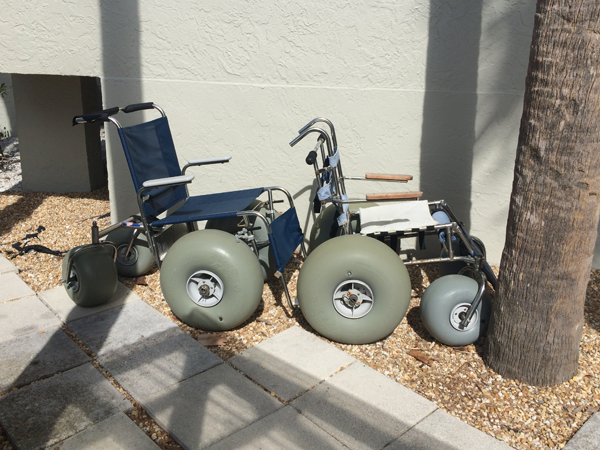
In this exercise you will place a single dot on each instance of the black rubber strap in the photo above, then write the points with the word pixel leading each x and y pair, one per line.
pixel 95 116
pixel 138 107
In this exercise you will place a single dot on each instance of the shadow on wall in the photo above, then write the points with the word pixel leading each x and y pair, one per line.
pixel 121 78
pixel 121 50
pixel 450 105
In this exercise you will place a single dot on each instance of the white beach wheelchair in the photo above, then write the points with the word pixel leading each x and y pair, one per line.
pixel 354 288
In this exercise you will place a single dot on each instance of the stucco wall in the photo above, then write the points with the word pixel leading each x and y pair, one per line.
pixel 431 88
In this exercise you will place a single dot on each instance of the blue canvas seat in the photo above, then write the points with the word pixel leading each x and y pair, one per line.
pixel 151 155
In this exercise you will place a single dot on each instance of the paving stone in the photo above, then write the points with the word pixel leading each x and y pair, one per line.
pixel 7 266
pixel 284 429
pixel 158 362
pixel 115 433
pixel 12 287
pixel 291 362
pixel 59 301
pixel 34 356
pixel 56 408
pixel 24 316
pixel 208 407
pixel 441 431
pixel 119 327
pixel 363 408
pixel 588 436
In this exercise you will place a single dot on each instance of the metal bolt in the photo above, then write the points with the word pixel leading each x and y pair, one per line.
pixel 204 290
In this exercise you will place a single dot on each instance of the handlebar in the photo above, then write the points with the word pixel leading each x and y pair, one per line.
pixel 311 158
pixel 95 116
pixel 138 107
pixel 105 114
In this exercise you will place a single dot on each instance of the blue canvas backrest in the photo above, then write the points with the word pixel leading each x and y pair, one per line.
pixel 150 154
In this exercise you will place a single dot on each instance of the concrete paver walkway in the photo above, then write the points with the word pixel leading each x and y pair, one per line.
pixel 292 391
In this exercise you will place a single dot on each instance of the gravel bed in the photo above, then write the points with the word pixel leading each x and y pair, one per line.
pixel 454 378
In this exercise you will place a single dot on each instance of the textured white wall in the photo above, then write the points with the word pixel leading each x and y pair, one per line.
pixel 428 87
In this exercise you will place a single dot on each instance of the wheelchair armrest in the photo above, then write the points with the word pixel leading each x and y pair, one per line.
pixel 394 196
pixel 387 177
pixel 171 181
pixel 205 162
pixel 382 177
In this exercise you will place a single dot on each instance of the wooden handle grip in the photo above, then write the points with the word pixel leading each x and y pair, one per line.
pixel 395 196
pixel 388 177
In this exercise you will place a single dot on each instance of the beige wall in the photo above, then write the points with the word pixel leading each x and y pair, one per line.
pixel 427 87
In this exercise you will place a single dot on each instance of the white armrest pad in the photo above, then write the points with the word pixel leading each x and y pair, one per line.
pixel 159 182
pixel 200 162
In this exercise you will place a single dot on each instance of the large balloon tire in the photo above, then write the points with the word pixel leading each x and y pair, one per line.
pixel 335 266
pixel 441 303
pixel 140 258
pixel 93 279
pixel 231 265
pixel 230 225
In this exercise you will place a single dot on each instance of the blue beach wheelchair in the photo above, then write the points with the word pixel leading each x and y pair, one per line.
pixel 211 278
pixel 354 287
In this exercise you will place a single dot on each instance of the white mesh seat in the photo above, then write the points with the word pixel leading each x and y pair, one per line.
pixel 390 218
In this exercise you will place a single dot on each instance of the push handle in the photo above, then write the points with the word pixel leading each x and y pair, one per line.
pixel 138 107
pixel 311 158
pixel 95 116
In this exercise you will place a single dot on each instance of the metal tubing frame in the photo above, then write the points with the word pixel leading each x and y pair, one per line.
pixel 269 231
pixel 454 228
pixel 481 280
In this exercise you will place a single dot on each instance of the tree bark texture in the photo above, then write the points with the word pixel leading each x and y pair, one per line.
pixel 537 319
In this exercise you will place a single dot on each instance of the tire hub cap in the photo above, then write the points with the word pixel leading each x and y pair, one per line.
pixel 353 299
pixel 457 315
pixel 205 288
pixel 129 259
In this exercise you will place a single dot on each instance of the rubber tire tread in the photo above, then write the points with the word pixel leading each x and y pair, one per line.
pixel 368 260
pixel 234 263
pixel 438 301
pixel 97 275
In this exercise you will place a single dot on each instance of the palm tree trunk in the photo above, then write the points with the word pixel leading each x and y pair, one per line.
pixel 537 319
